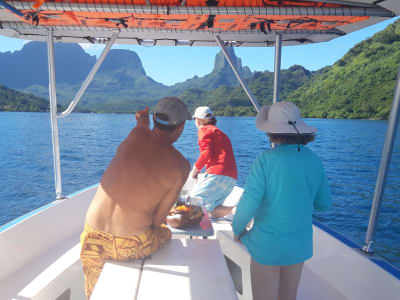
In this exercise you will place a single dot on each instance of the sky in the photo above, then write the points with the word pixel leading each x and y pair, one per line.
pixel 170 65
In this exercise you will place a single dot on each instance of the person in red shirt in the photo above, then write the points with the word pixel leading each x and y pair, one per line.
pixel 216 155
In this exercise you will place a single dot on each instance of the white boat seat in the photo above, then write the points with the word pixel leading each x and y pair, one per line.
pixel 183 269
pixel 56 281
pixel 312 285
pixel 238 261
pixel 118 280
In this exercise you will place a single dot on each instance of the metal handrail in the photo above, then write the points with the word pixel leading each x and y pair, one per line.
pixel 53 113
pixel 228 58
pixel 383 168
pixel 89 78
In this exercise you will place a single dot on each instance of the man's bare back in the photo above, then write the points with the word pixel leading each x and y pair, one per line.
pixel 141 183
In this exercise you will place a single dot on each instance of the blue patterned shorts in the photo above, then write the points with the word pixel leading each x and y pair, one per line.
pixel 213 189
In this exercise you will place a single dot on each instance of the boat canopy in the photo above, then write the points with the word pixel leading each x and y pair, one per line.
pixel 191 22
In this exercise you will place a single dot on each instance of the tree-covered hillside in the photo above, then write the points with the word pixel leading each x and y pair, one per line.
pixel 232 101
pixel 358 86
pixel 11 100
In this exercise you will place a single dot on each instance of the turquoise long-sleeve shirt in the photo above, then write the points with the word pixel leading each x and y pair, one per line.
pixel 282 190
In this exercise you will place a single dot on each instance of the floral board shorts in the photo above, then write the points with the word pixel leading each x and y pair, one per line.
pixel 99 246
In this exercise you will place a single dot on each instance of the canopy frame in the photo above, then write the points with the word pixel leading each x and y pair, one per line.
pixel 277 67
pixel 53 102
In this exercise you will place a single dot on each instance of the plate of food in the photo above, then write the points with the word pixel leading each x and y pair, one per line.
pixel 185 215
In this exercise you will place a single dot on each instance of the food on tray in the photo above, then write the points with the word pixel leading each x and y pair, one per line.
pixel 185 216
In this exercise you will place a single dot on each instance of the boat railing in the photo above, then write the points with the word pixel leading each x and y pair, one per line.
pixel 383 168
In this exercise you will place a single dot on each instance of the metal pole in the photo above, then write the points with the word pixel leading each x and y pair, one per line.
pixel 249 94
pixel 277 67
pixel 53 113
pixel 383 168
pixel 89 78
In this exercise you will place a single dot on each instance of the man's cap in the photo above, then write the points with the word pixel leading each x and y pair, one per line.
pixel 171 111
pixel 203 112
pixel 282 117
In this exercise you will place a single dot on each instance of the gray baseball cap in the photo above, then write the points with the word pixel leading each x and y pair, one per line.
pixel 171 111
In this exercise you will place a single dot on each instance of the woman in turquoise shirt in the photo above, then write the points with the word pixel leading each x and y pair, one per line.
pixel 283 188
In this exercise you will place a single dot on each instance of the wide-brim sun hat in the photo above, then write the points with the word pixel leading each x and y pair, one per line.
pixel 203 112
pixel 282 117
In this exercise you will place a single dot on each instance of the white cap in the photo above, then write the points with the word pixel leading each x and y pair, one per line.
pixel 282 117
pixel 173 110
pixel 203 112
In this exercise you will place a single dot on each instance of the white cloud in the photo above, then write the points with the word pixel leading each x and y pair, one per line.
pixel 86 46
pixel 92 49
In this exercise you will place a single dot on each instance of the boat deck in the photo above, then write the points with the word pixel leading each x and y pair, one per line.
pixel 42 262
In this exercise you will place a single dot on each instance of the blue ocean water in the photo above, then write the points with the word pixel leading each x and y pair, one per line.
pixel 350 150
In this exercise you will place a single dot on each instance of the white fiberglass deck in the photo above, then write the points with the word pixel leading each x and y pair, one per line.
pixel 39 256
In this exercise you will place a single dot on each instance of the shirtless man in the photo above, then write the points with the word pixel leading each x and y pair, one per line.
pixel 138 189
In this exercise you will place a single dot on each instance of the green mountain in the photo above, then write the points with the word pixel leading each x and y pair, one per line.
pixel 232 101
pixel 120 85
pixel 29 65
pixel 11 100
pixel 358 86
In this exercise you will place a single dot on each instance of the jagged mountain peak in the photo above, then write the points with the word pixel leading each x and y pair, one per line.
pixel 121 59
pixel 220 62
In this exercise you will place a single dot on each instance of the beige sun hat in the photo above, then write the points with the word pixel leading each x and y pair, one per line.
pixel 282 117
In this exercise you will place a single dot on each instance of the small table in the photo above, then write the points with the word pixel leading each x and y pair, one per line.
pixel 204 228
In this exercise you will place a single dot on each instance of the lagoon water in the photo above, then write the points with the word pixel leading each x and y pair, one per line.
pixel 350 150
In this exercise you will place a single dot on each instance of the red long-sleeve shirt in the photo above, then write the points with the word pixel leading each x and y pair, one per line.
pixel 216 152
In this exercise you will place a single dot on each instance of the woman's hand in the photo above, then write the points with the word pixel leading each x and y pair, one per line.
pixel 236 238
pixel 194 172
